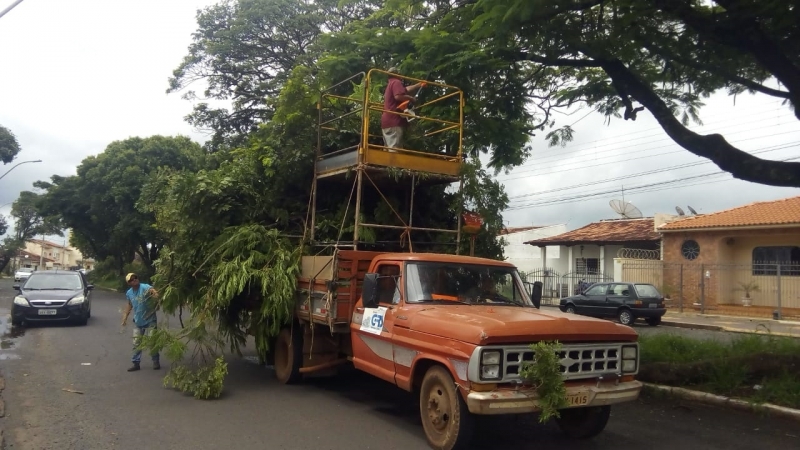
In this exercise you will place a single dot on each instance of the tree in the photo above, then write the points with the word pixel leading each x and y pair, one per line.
pixel 620 57
pixel 28 224
pixel 244 51
pixel 99 204
pixel 9 147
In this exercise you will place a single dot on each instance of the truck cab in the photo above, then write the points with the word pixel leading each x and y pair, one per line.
pixel 456 330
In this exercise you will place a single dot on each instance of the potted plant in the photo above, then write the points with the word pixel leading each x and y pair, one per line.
pixel 748 287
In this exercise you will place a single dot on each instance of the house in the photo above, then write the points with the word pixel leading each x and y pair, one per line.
pixel 529 259
pixel 712 258
pixel 587 253
pixel 58 256
pixel 27 259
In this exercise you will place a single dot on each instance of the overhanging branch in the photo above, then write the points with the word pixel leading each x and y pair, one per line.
pixel 738 163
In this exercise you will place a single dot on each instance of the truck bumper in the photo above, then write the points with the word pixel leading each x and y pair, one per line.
pixel 526 401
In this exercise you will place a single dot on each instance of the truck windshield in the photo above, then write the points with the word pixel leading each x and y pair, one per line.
pixel 464 283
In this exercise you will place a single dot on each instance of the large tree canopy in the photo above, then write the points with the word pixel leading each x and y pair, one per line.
pixel 619 57
pixel 9 147
pixel 99 203
pixel 28 224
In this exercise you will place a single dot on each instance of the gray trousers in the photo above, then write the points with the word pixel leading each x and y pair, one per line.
pixel 393 137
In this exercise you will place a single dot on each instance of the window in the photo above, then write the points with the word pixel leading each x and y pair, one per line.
pixel 647 291
pixel 690 250
pixel 465 283
pixel 620 290
pixel 590 266
pixel 388 286
pixel 598 289
pixel 766 260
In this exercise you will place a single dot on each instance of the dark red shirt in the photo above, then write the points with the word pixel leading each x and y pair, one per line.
pixel 395 87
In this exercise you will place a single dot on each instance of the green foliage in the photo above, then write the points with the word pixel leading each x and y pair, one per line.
pixel 9 146
pixel 748 287
pixel 99 204
pixel 204 383
pixel 546 377
pixel 28 224
pixel 724 376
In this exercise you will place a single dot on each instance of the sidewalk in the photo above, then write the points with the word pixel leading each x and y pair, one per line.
pixel 731 323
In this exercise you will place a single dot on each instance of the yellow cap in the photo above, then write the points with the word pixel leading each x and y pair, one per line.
pixel 129 276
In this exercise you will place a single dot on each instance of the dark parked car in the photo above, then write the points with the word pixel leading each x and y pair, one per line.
pixel 625 301
pixel 53 295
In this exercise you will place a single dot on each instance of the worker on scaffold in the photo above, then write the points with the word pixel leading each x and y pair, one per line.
pixel 394 125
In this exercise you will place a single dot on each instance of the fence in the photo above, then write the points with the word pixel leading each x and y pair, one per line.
pixel 758 289
pixel 556 286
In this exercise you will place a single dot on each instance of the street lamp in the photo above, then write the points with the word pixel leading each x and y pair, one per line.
pixel 10 7
pixel 19 164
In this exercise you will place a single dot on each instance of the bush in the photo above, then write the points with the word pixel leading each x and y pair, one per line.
pixel 105 274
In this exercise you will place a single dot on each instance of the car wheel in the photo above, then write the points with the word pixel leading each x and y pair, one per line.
pixel 16 323
pixel 653 321
pixel 570 309
pixel 625 316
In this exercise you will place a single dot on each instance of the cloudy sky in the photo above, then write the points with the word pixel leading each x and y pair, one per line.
pixel 80 74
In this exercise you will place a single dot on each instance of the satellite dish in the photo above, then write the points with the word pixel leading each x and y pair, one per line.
pixel 680 211
pixel 692 210
pixel 625 209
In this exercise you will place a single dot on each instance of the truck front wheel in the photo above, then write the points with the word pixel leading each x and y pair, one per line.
pixel 445 417
pixel 584 423
pixel 288 355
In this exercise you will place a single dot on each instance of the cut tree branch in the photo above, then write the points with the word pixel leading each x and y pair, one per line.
pixel 738 163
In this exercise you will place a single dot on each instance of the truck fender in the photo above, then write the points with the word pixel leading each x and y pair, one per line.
pixel 423 362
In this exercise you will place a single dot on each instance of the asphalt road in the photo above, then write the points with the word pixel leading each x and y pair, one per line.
pixel 121 410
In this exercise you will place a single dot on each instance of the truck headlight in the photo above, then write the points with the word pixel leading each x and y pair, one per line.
pixel 491 365
pixel 20 300
pixel 630 358
pixel 77 300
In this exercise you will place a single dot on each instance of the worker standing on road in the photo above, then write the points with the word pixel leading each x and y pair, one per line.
pixel 393 125
pixel 140 300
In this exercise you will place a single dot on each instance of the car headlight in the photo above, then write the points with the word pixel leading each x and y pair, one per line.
pixel 77 300
pixel 630 358
pixel 20 300
pixel 491 365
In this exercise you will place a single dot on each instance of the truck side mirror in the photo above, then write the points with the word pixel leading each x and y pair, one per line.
pixel 536 294
pixel 369 290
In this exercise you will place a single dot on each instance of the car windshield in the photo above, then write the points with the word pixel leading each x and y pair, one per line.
pixel 43 281
pixel 647 291
pixel 25 270
pixel 464 283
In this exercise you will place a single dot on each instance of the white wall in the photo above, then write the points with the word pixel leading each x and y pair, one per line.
pixel 528 258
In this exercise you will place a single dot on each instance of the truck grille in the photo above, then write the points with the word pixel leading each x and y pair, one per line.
pixel 578 361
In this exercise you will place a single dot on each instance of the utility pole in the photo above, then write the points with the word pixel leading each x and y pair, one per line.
pixel 41 253
pixel 5 11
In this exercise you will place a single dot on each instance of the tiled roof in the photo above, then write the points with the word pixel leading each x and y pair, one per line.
pixel 777 212
pixel 48 243
pixel 605 232
pixel 33 256
pixel 510 230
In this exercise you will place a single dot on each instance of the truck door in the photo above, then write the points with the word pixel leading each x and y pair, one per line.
pixel 372 335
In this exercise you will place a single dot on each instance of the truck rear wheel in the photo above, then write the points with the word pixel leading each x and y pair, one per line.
pixel 584 423
pixel 289 355
pixel 445 417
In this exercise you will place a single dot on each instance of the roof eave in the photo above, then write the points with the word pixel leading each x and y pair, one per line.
pixel 574 243
pixel 735 228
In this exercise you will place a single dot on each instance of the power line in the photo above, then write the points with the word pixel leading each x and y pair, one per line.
pixel 748 119
pixel 649 172
pixel 559 155
pixel 593 164
pixel 637 190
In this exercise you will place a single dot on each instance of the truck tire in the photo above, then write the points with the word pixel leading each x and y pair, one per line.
pixel 584 423
pixel 289 355
pixel 447 422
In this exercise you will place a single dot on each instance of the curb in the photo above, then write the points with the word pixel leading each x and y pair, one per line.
pixel 725 402
pixel 698 326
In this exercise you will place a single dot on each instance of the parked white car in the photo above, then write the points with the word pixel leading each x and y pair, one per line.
pixel 22 273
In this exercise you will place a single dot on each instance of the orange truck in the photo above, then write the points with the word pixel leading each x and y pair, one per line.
pixel 456 331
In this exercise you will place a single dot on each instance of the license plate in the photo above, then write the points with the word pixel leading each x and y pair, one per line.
pixel 579 399
pixel 48 312
pixel 653 305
